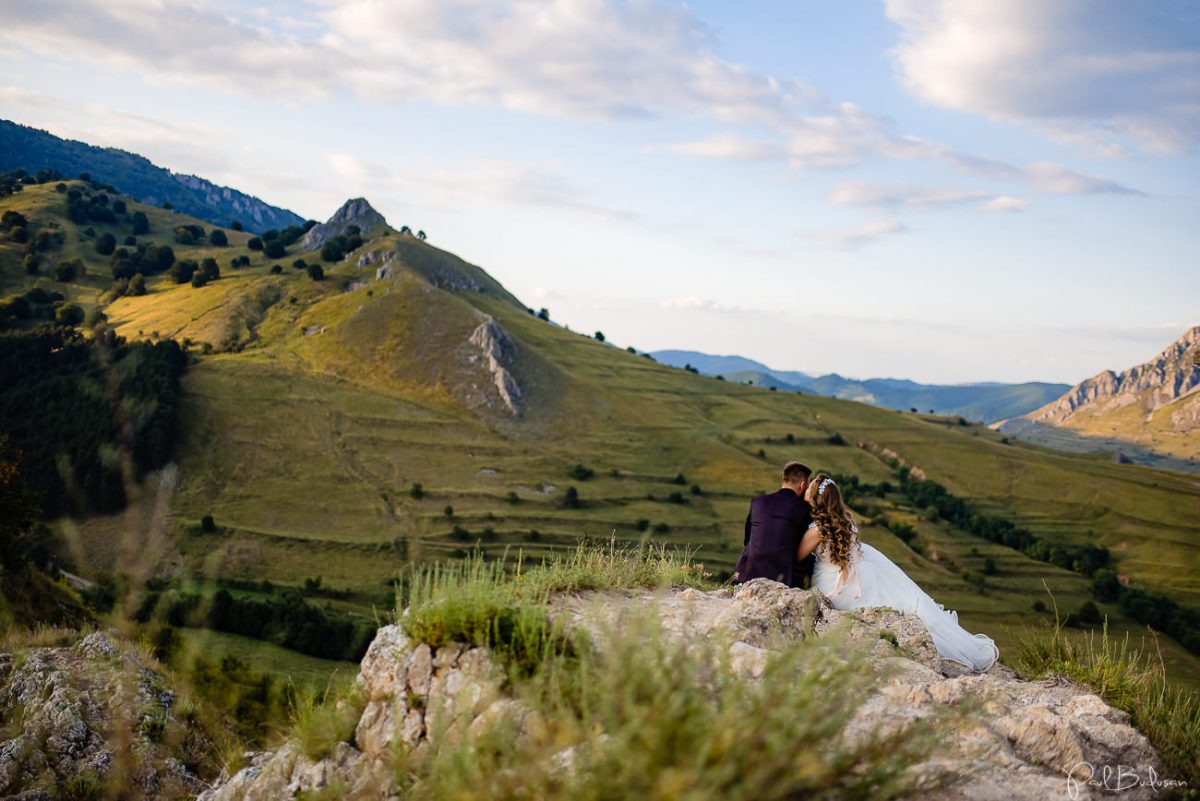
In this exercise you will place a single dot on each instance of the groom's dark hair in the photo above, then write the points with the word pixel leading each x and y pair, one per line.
pixel 794 471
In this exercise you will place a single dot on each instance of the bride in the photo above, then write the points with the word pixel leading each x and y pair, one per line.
pixel 853 574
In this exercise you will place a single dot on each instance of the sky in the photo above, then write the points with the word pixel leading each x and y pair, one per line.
pixel 995 190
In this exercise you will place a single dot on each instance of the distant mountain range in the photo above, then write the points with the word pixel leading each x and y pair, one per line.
pixel 1148 414
pixel 30 149
pixel 986 402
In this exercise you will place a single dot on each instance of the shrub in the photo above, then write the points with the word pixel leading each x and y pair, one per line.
pixel 676 497
pixel 581 473
pixel 416 491
pixel 255 243
pixel 217 238
pixel 448 511
pixel 571 498
pixel 106 244
pixel 141 223
pixel 207 524
pixel 1088 614
pixel 69 314
pixel 274 249
pixel 68 271
pixel 276 269
pixel 182 271
pixel 514 498
pixel 316 272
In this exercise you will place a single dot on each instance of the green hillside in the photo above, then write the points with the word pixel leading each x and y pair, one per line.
pixel 346 427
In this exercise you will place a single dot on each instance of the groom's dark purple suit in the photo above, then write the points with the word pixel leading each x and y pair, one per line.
pixel 774 527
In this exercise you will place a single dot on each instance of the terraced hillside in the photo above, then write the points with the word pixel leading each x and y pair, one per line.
pixel 407 407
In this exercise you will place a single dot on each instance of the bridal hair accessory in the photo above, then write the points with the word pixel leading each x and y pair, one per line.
pixel 824 483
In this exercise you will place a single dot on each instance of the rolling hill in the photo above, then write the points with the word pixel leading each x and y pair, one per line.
pixel 30 149
pixel 1149 414
pixel 400 405
pixel 985 402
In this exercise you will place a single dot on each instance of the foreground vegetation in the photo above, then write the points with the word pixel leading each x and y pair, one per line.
pixel 1129 677
pixel 632 713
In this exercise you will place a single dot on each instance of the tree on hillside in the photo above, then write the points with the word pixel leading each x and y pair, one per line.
pixel 183 270
pixel 255 243
pixel 274 249
pixel 316 272
pixel 69 314
pixel 421 235
pixel 141 223
pixel 118 206
pixel 69 270
pixel 235 225
pixel 19 507
pixel 217 238
pixel 106 244
pixel 543 314
pixel 599 336
pixel 137 285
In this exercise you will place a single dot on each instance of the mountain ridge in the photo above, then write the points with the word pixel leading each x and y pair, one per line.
pixel 33 149
pixel 986 401
pixel 1148 413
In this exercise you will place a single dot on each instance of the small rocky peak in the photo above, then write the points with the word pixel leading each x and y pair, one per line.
pixel 355 211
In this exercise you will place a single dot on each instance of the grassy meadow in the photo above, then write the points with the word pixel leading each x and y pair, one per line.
pixel 333 428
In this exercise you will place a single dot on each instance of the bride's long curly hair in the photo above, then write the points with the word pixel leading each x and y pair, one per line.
pixel 839 535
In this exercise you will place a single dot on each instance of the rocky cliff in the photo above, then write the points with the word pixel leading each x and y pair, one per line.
pixel 1149 414
pixel 1148 387
pixel 1013 740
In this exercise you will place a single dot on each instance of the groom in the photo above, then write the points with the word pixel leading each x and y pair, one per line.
pixel 774 527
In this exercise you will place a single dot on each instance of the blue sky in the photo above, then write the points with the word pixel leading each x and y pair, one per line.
pixel 995 190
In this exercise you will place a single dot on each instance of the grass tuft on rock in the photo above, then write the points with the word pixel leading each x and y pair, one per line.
pixel 1129 678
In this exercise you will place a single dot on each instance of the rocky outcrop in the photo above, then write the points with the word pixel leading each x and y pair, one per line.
pixel 80 716
pixel 496 350
pixel 356 211
pixel 1023 742
pixel 1149 387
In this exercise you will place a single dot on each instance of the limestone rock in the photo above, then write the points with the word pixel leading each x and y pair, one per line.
pixel 497 350
pixel 1005 739
pixel 69 707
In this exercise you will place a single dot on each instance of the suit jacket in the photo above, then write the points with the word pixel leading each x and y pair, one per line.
pixel 774 527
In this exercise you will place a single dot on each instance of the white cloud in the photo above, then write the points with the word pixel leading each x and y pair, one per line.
pixel 695 303
pixel 501 181
pixel 1086 71
pixel 1006 203
pixel 895 193
pixel 863 234
pixel 589 59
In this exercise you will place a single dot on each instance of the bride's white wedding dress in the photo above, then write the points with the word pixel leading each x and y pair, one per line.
pixel 875 580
